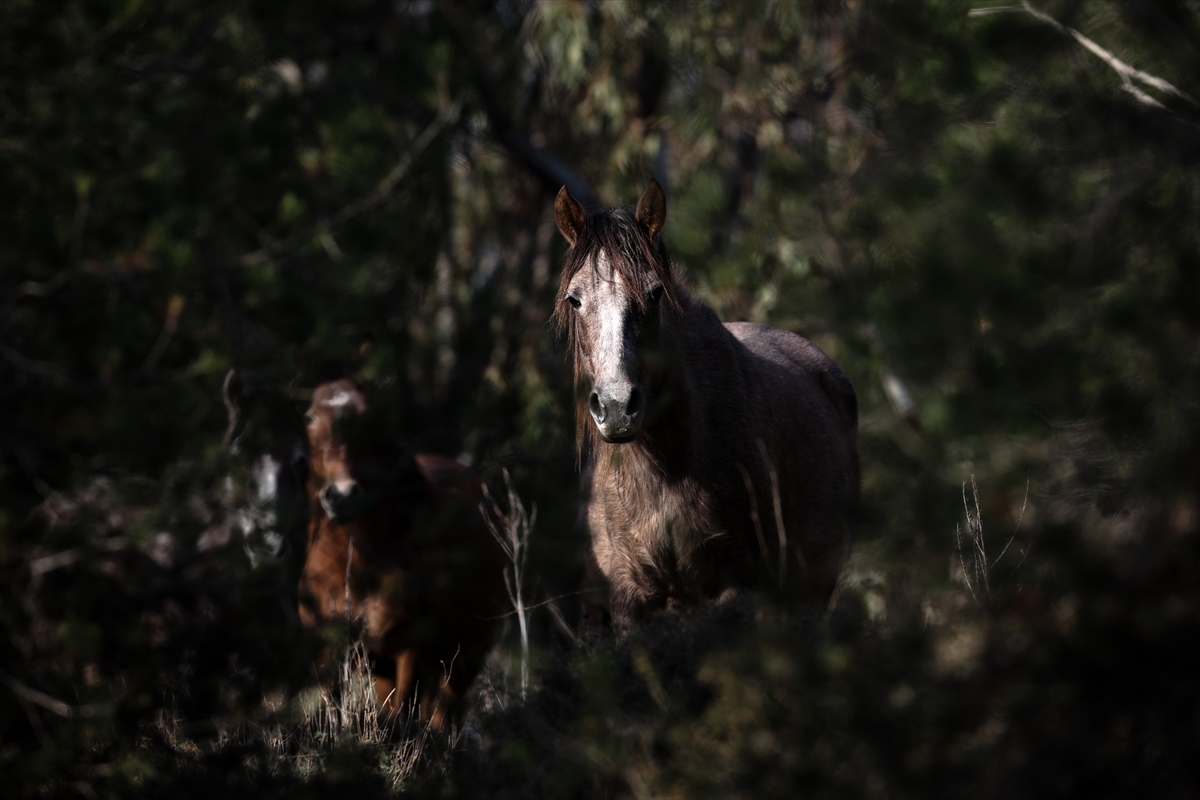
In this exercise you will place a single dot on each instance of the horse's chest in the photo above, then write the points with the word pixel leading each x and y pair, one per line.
pixel 653 537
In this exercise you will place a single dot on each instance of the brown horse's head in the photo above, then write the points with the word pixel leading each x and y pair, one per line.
pixel 336 442
pixel 616 287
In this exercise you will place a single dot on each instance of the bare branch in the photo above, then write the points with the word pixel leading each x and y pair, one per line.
pixel 987 12
pixel 51 704
pixel 559 620
pixel 1127 73
pixel 512 531
pixel 779 528
pixel 975 531
pixel 40 566
pixel 552 172
pixel 961 560
pixel 1020 517
pixel 979 561
pixel 758 531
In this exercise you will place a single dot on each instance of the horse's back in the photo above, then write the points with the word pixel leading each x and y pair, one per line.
pixel 449 476
pixel 459 546
pixel 788 355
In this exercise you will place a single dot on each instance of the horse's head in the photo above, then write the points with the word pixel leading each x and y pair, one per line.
pixel 340 447
pixel 616 285
pixel 268 469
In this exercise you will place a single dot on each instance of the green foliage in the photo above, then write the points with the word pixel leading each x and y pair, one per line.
pixel 995 238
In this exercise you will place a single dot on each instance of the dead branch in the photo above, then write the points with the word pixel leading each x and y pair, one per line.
pixel 1020 518
pixel 1127 73
pixel 51 704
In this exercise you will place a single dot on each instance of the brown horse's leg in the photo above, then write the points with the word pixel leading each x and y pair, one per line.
pixel 438 706
pixel 406 676
pixel 385 690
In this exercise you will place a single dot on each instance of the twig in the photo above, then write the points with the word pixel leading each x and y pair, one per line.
pixel 40 566
pixel 1020 517
pixel 779 529
pixel 758 531
pixel 51 704
pixel 976 525
pixel 962 561
pixel 1127 73
pixel 979 553
pixel 170 325
pixel 557 615
pixel 514 540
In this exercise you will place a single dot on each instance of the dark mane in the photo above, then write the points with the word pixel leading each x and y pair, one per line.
pixel 639 261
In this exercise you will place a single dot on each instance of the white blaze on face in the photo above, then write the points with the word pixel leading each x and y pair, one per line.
pixel 612 358
pixel 340 399
pixel 341 480
pixel 610 370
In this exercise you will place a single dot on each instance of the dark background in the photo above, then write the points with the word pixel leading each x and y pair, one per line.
pixel 993 231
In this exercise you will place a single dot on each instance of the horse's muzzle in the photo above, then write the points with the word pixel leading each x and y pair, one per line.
pixel 342 504
pixel 617 418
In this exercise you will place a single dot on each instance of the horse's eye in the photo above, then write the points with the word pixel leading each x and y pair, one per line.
pixel 656 293
pixel 309 419
pixel 573 300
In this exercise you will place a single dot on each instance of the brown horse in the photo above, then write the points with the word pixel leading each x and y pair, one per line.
pixel 397 544
pixel 718 454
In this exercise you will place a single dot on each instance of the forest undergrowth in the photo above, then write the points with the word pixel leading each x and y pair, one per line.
pixel 986 214
pixel 946 671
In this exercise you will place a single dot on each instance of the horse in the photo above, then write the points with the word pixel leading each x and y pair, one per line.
pixel 268 470
pixel 397 544
pixel 718 456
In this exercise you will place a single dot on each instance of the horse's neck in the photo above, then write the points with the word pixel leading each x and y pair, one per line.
pixel 380 529
pixel 680 436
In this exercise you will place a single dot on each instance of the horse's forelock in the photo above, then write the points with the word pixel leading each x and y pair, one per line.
pixel 639 261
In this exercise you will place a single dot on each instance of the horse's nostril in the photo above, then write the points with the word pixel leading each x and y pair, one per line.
pixel 635 402
pixel 596 407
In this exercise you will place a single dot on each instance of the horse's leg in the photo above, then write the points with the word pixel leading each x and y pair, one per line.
pixel 594 613
pixel 406 678
pixel 385 690
pixel 438 706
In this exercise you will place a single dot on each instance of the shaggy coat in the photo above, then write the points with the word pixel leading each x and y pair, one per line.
pixel 732 463
pixel 398 546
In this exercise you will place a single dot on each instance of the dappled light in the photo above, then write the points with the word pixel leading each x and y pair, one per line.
pixel 984 217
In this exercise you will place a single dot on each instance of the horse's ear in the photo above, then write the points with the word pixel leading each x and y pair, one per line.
pixel 652 208
pixel 235 404
pixel 571 218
